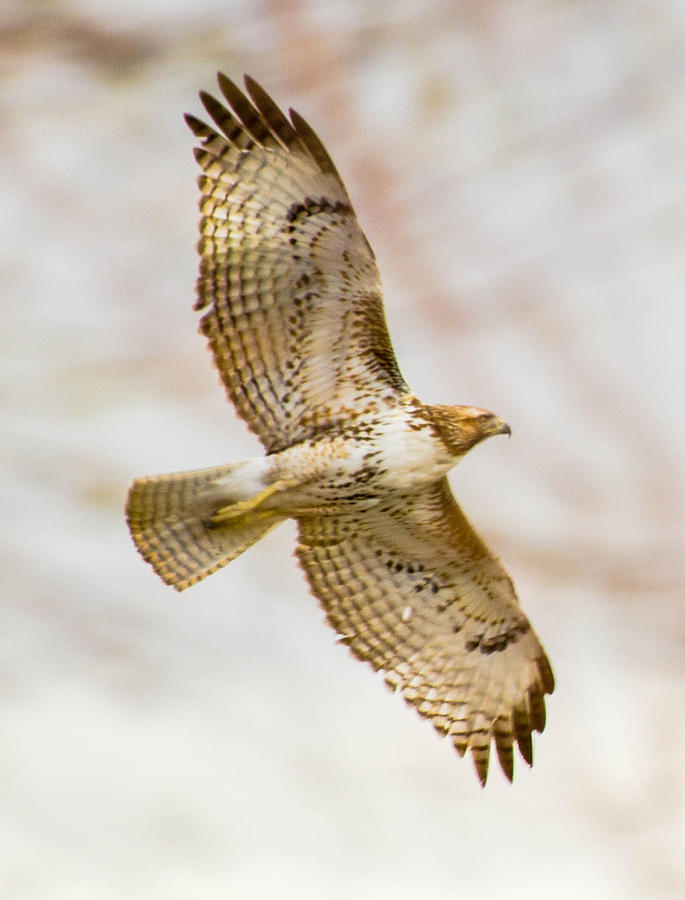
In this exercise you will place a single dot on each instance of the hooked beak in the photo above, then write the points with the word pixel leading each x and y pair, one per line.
pixel 500 427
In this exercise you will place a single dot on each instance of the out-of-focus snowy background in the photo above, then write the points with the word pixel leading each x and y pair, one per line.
pixel 520 171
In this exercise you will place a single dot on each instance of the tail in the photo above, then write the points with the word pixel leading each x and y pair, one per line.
pixel 168 516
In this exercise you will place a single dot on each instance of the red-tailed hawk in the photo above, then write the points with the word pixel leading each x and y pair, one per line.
pixel 293 313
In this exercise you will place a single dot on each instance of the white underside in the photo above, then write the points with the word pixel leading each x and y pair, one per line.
pixel 316 472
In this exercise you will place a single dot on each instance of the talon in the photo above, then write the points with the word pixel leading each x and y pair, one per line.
pixel 243 507
pixel 229 513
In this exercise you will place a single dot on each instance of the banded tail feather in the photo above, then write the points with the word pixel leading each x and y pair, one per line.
pixel 169 517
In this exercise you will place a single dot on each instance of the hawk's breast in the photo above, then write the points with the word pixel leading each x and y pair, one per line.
pixel 410 454
pixel 370 457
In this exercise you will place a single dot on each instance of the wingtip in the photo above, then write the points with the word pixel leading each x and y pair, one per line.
pixel 506 762
pixel 481 760
pixel 207 100
pixel 525 745
pixel 548 680
pixel 482 773
pixel 228 87
pixel 250 83
pixel 197 126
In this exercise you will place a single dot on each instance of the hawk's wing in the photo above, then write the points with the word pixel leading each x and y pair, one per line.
pixel 294 307
pixel 414 591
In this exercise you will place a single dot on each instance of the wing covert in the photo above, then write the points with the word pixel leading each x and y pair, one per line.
pixel 294 311
pixel 412 589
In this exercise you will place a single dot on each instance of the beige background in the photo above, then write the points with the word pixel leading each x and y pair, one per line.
pixel 519 169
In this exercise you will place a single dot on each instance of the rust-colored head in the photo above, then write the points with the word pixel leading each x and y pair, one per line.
pixel 462 427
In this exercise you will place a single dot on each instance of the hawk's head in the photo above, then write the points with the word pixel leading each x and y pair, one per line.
pixel 462 427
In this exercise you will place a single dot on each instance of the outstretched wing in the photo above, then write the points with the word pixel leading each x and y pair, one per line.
pixel 413 590
pixel 294 307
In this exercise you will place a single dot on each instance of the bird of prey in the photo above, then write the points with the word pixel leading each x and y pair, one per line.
pixel 293 313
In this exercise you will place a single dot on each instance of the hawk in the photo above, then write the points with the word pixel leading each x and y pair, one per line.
pixel 293 313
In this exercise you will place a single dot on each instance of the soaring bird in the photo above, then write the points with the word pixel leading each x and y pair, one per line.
pixel 292 311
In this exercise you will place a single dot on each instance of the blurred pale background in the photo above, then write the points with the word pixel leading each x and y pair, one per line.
pixel 520 171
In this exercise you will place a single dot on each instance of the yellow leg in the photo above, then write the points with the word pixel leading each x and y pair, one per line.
pixel 237 510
